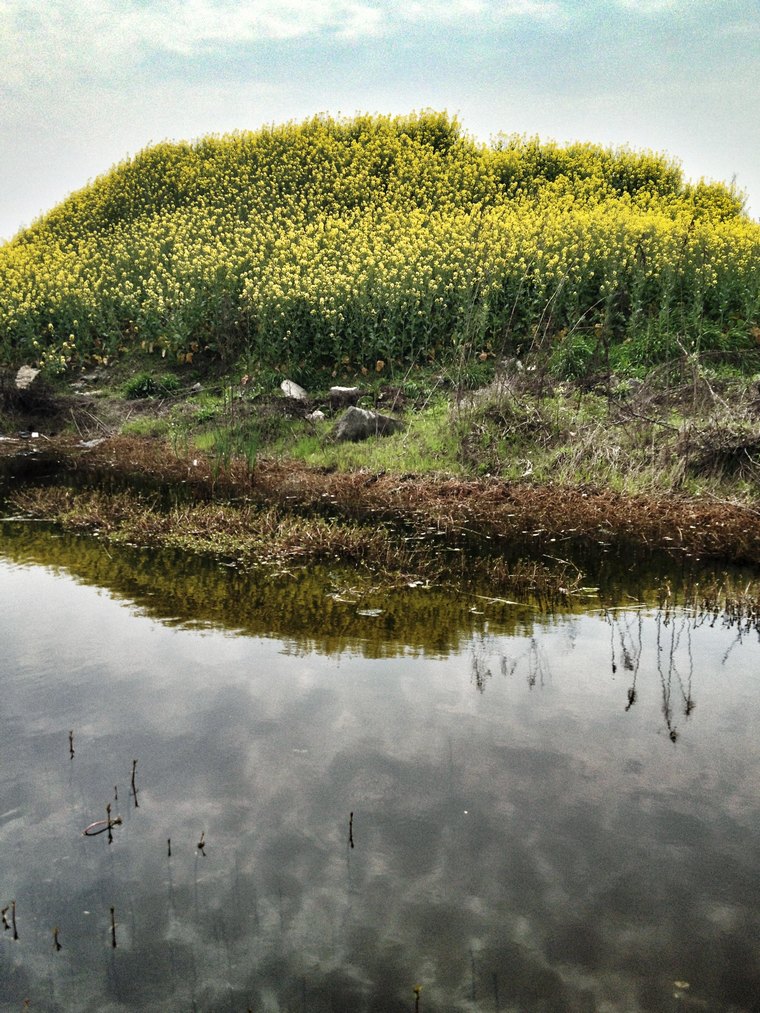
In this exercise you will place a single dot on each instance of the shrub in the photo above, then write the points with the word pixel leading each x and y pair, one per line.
pixel 145 385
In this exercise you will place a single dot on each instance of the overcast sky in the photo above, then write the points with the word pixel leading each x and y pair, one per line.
pixel 84 83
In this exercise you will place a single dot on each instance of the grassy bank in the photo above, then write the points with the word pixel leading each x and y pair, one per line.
pixel 690 428
pixel 670 462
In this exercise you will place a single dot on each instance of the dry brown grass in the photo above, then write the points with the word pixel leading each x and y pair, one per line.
pixel 476 513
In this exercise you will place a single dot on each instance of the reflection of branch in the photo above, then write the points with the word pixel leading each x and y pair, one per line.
pixel 134 786
pixel 666 709
pixel 675 644
pixel 635 665
pixel 630 650
pixel 480 669
pixel 737 640
pixel 687 697
pixel 481 672
pixel 537 667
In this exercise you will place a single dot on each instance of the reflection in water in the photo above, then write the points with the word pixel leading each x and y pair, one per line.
pixel 525 831
pixel 314 610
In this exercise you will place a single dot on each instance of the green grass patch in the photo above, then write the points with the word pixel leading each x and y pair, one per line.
pixel 428 444
pixel 143 385
pixel 148 426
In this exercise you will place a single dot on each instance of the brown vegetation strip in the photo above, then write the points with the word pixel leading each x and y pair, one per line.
pixel 488 507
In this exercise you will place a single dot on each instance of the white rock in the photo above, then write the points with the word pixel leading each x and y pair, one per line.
pixel 26 377
pixel 291 389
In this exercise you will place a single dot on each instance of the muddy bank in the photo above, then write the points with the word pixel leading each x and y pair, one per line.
pixel 490 513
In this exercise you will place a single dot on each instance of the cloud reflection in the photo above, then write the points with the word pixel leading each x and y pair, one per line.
pixel 535 846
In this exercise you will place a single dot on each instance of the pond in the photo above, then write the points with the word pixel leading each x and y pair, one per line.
pixel 437 802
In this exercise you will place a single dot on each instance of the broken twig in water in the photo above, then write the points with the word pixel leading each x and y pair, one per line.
pixel 56 940
pixel 351 829
pixel 113 928
pixel 71 744
pixel 134 786
pixel 100 826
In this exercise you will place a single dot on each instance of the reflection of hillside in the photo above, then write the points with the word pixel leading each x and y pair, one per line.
pixel 312 610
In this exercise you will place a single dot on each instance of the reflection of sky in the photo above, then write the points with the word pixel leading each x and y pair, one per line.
pixel 522 841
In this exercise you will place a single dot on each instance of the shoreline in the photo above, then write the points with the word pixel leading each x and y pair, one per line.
pixel 555 518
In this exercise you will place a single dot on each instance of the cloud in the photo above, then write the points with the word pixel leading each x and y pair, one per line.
pixel 38 39
pixel 647 7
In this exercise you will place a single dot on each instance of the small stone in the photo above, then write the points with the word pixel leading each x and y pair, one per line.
pixel 358 424
pixel 26 377
pixel 340 397
pixel 291 389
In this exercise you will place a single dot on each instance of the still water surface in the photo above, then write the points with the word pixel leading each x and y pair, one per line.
pixel 549 813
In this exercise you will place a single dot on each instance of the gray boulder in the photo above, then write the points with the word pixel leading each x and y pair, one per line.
pixel 358 424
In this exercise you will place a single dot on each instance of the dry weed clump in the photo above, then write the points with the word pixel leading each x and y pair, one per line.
pixel 241 532
pixel 722 449
pixel 549 585
pixel 88 510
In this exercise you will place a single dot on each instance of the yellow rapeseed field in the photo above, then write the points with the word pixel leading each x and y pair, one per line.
pixel 347 241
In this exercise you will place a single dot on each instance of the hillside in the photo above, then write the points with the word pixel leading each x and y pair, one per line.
pixel 344 242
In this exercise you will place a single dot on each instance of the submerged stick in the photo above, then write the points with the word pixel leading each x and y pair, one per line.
pixel 134 786
pixel 351 829
pixel 71 744
pixel 168 847
pixel 113 928
pixel 13 919
pixel 100 827
pixel 56 941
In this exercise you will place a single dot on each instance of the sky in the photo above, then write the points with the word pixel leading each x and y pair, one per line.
pixel 87 83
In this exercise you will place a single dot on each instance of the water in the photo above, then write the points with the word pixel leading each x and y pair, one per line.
pixel 531 830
